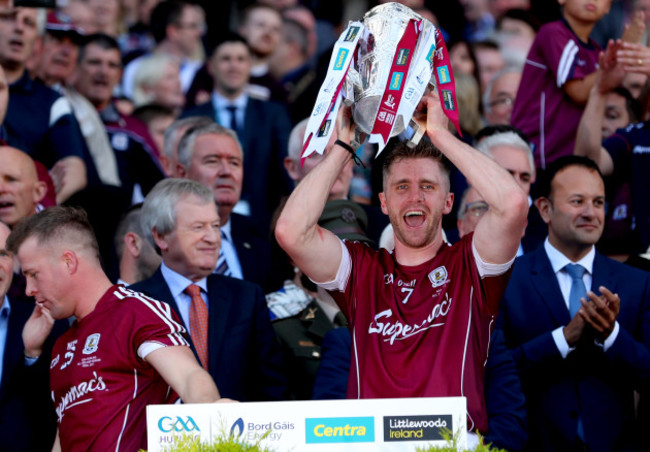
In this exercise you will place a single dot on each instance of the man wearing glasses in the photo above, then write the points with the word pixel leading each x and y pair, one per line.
pixel 499 96
pixel 472 208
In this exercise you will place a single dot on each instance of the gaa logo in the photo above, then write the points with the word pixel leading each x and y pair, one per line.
pixel 167 424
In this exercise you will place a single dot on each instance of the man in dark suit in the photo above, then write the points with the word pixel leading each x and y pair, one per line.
pixel 227 319
pixel 27 417
pixel 212 155
pixel 262 127
pixel 580 353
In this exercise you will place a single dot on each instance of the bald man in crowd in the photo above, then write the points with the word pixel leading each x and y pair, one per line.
pixel 20 189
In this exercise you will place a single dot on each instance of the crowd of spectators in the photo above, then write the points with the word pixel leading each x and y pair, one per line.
pixel 123 108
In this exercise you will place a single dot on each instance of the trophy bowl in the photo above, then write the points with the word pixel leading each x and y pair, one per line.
pixel 386 25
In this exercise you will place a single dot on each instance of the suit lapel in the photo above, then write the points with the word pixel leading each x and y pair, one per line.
pixel 14 347
pixel 220 304
pixel 236 233
pixel 250 121
pixel 603 275
pixel 545 283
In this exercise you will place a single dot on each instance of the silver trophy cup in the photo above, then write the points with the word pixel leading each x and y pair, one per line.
pixel 366 80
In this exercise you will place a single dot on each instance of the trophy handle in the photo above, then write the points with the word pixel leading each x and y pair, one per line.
pixel 358 139
pixel 418 133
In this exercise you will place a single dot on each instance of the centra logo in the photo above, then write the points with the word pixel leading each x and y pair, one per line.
pixel 179 424
pixel 341 58
pixel 416 428
pixel 340 430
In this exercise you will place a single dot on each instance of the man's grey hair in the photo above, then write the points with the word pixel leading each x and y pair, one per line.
pixel 159 207
pixel 506 139
pixel 487 94
pixel 184 125
pixel 296 138
pixel 186 145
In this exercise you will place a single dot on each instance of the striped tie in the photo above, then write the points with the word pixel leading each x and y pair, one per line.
pixel 222 262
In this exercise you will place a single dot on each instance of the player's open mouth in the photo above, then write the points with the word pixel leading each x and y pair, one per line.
pixel 414 218
pixel 6 204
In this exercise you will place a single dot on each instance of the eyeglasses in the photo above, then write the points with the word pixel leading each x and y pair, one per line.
pixel 476 208
pixel 192 26
pixel 502 102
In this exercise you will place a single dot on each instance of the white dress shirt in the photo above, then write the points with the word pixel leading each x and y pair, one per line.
pixel 230 251
pixel 558 262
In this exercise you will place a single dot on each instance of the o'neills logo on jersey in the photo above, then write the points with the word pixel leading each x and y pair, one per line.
pixel 397 330
pixel 416 428
pixel 71 398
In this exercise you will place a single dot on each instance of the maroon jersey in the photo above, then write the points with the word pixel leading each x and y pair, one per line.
pixel 541 109
pixel 100 385
pixel 420 331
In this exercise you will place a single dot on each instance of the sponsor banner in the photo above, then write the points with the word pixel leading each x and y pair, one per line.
pixel 416 428
pixel 340 430
pixel 358 425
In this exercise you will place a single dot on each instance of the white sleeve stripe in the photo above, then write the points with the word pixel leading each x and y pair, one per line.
pixel 566 61
pixel 158 308
pixel 536 64
pixel 60 108
pixel 181 339
pixel 342 275
pixel 178 339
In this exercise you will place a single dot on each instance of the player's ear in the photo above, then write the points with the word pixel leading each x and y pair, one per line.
pixel 382 201
pixel 70 260
pixel 449 203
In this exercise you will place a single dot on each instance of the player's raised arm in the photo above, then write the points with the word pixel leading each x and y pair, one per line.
pixel 498 233
pixel 316 251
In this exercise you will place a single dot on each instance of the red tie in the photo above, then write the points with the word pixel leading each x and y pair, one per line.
pixel 199 323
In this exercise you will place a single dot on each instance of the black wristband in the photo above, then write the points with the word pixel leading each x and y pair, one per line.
pixel 351 150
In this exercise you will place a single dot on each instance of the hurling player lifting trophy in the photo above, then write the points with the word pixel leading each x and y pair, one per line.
pixel 382 66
